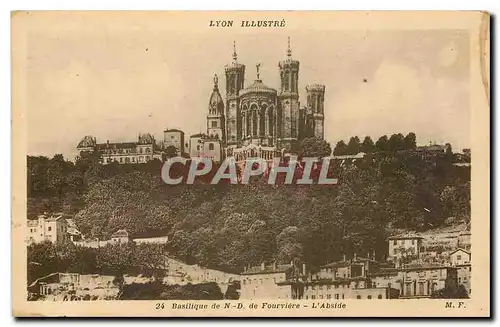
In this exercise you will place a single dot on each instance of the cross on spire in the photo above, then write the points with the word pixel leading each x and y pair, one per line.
pixel 289 50
pixel 235 56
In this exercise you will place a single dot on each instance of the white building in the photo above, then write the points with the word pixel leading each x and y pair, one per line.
pixel 53 229
pixel 403 246
pixel 459 257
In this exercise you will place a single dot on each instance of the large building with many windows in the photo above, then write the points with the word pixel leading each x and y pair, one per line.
pixel 142 151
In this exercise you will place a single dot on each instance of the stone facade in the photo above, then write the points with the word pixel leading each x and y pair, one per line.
pixel 259 121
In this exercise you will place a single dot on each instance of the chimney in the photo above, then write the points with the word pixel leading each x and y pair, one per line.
pixel 303 268
pixel 344 257
pixel 274 265
pixel 355 256
pixel 262 266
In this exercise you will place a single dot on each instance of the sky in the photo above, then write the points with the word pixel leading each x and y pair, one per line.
pixel 115 84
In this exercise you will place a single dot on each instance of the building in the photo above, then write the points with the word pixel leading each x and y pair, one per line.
pixel 404 246
pixel 142 151
pixel 202 145
pixel 174 138
pixel 459 257
pixel 266 282
pixel 52 228
pixel 258 121
pixel 417 282
pixel 463 276
pixel 121 236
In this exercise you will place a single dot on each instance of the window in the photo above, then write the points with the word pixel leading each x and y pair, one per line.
pixel 313 297
pixel 244 282
pixel 313 287
pixel 459 257
pixel 358 297
pixel 395 242
pixel 379 296
pixel 50 228
pixel 214 123
pixel 412 242
pixel 172 137
pixel 307 297
pixel 210 146
pixel 336 296
pixel 320 287
pixel 369 297
pixel 342 296
pixel 328 287
pixel 329 296
pixel 321 296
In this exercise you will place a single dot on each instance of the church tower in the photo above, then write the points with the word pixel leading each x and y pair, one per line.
pixel 215 119
pixel 316 104
pixel 288 112
pixel 235 76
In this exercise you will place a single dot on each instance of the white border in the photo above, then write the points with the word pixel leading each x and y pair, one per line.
pixel 5 131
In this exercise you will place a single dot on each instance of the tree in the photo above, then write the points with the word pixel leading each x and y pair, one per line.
pixel 314 147
pixel 410 141
pixel 368 146
pixel 396 142
pixel 170 151
pixel 340 148
pixel 451 291
pixel 353 147
pixel 382 143
pixel 150 258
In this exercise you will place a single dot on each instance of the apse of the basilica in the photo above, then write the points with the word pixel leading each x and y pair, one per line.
pixel 260 121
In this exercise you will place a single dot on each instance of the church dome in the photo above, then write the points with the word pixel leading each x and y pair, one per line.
pixel 216 104
pixel 258 87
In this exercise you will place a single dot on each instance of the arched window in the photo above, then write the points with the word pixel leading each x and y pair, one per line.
pixel 254 122
pixel 210 146
pixel 358 297
pixel 379 296
pixel 369 297
pixel 270 116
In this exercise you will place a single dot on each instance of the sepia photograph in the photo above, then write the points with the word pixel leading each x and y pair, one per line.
pixel 243 164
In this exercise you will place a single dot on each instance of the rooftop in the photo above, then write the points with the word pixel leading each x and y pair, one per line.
pixel 271 269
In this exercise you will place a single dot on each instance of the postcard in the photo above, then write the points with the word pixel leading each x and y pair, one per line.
pixel 250 164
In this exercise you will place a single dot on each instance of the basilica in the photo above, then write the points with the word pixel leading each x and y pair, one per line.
pixel 257 120
pixel 253 121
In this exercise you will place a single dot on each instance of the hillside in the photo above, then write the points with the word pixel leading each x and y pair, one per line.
pixel 231 226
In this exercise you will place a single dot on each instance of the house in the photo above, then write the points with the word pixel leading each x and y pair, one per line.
pixel 404 246
pixel 266 282
pixel 121 236
pixel 459 257
pixel 421 282
pixel 53 228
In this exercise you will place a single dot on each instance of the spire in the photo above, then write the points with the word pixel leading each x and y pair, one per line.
pixel 216 82
pixel 289 50
pixel 258 68
pixel 235 56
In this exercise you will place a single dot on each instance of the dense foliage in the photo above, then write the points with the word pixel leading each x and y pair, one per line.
pixel 115 260
pixel 231 226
